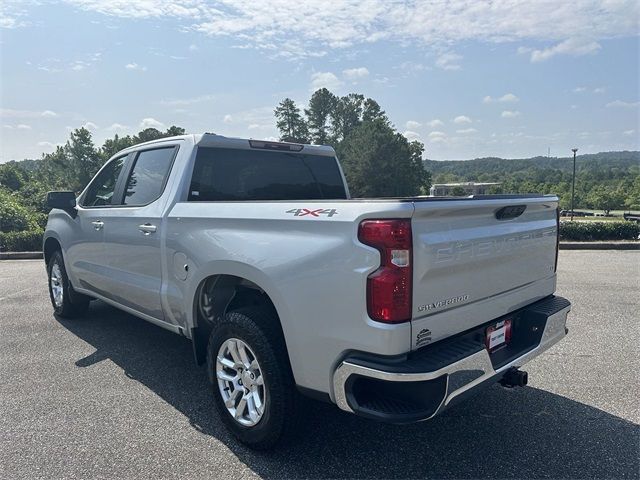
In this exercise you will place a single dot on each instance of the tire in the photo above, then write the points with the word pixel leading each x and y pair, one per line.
pixel 66 302
pixel 258 330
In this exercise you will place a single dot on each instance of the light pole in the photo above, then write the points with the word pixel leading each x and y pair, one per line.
pixel 573 182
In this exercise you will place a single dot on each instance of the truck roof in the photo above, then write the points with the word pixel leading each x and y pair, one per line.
pixel 213 140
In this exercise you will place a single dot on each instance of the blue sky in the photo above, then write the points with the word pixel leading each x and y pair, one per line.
pixel 506 78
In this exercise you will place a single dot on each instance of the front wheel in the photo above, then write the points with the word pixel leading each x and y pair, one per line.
pixel 66 302
pixel 251 379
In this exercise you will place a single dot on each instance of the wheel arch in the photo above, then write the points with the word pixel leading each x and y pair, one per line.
pixel 50 245
pixel 229 292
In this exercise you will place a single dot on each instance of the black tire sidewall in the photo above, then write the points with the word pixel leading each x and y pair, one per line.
pixel 56 258
pixel 73 304
pixel 279 409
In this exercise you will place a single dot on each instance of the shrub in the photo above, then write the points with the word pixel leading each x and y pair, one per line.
pixel 15 216
pixel 26 241
pixel 591 231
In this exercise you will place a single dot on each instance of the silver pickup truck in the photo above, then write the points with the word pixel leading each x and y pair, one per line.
pixel 392 309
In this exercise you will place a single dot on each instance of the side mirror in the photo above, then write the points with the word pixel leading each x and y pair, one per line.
pixel 61 200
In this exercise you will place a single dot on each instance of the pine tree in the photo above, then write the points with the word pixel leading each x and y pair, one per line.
pixel 290 122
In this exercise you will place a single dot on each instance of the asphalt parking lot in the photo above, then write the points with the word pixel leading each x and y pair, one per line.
pixel 111 396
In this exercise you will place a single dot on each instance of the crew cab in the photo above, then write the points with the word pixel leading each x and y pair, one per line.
pixel 391 308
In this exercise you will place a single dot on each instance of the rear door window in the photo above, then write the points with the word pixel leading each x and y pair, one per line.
pixel 148 176
pixel 224 174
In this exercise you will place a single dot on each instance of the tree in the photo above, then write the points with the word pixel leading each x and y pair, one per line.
pixel 321 105
pixel 111 146
pixel 423 177
pixel 81 159
pixel 147 135
pixel 379 162
pixel 14 216
pixel 371 111
pixel 290 122
pixel 602 198
pixel 12 176
pixel 346 115
pixel 174 131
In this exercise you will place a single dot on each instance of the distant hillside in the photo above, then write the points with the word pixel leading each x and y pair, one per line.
pixel 607 180
pixel 605 165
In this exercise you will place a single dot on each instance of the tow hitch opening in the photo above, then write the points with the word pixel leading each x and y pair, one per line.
pixel 514 378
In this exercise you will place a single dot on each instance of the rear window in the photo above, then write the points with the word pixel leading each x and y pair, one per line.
pixel 225 174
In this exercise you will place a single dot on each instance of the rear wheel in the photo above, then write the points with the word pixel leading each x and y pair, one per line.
pixel 66 302
pixel 251 379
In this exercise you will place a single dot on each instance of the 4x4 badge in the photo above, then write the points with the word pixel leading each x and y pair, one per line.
pixel 302 212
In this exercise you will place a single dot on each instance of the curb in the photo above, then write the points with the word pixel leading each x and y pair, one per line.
pixel 600 245
pixel 20 255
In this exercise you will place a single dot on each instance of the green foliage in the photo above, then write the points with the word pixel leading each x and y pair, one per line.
pixel 24 185
pixel 592 231
pixel 27 241
pixel 13 215
pixel 379 162
pixel 604 181
pixel 321 105
pixel 290 123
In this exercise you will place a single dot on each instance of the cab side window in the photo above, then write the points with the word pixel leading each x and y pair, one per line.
pixel 102 187
pixel 148 176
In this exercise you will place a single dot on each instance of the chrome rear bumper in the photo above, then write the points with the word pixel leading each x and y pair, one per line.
pixel 451 380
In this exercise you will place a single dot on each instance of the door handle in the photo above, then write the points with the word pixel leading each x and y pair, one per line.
pixel 147 229
pixel 97 224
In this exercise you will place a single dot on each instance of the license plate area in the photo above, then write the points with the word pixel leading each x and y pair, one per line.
pixel 498 335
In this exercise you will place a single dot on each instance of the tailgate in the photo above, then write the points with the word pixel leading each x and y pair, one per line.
pixel 465 255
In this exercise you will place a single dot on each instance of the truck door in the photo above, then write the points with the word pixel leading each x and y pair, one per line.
pixel 85 251
pixel 132 232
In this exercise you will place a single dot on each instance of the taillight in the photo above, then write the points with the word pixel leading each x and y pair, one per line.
pixel 555 265
pixel 389 287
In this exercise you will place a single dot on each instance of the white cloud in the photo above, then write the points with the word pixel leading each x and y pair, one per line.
pixel 579 89
pixel 599 90
pixel 90 126
pixel 11 113
pixel 621 104
pixel 355 74
pixel 151 123
pixel 117 127
pixel 193 47
pixel 436 122
pixel 227 119
pixel 410 135
pixel 466 130
pixel 319 25
pixel 22 126
pixel 412 125
pixel 135 66
pixel 437 137
pixel 449 61
pixel 510 114
pixel 628 132
pixel 506 98
pixel 176 102
pixel 437 134
pixel 49 145
pixel 324 80
pixel 460 119
pixel 571 46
